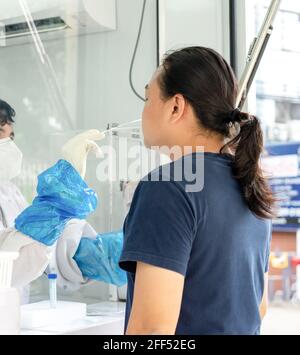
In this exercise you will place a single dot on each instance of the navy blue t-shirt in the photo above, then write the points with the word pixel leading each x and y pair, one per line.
pixel 211 238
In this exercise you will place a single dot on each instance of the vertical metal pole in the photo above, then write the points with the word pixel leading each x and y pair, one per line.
pixel 233 33
pixel 256 53
pixel 157 34
pixel 162 48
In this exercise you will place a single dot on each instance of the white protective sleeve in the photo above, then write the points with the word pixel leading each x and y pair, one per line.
pixel 33 260
pixel 35 257
pixel 12 203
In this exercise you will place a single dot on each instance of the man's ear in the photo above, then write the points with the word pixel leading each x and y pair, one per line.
pixel 179 105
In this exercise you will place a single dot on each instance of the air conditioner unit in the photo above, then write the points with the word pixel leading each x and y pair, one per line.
pixel 55 18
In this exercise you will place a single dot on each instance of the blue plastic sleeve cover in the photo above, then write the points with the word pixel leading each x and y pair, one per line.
pixel 62 195
pixel 98 259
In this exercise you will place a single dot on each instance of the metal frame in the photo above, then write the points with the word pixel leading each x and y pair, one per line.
pixel 233 37
pixel 157 33
pixel 256 53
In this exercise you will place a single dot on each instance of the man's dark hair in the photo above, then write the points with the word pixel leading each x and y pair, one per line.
pixel 7 113
pixel 208 83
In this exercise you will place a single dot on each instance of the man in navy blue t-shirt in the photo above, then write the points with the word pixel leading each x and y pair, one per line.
pixel 210 238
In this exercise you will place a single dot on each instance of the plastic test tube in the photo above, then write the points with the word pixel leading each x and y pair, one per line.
pixel 52 290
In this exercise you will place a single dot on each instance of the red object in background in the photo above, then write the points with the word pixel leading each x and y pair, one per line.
pixel 296 262
pixel 288 243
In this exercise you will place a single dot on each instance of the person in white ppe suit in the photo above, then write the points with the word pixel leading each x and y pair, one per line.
pixel 12 202
pixel 79 253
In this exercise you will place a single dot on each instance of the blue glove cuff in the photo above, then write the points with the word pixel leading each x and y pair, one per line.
pixel 62 195
pixel 99 259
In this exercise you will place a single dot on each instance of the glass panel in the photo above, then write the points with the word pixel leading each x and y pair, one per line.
pixel 278 80
pixel 201 23
pixel 277 103
pixel 64 68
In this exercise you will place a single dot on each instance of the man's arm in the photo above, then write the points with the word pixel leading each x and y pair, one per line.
pixel 264 304
pixel 157 301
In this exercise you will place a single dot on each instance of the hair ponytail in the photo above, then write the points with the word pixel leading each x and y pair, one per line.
pixel 247 147
pixel 208 83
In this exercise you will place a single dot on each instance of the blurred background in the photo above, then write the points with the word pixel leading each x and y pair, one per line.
pixel 275 99
pixel 81 65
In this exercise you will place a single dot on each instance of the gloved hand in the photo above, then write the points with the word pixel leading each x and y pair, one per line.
pixel 76 150
pixel 82 256
pixel 98 259
pixel 69 276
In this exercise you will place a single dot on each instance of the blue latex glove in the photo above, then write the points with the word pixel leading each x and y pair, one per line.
pixel 98 259
pixel 62 195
